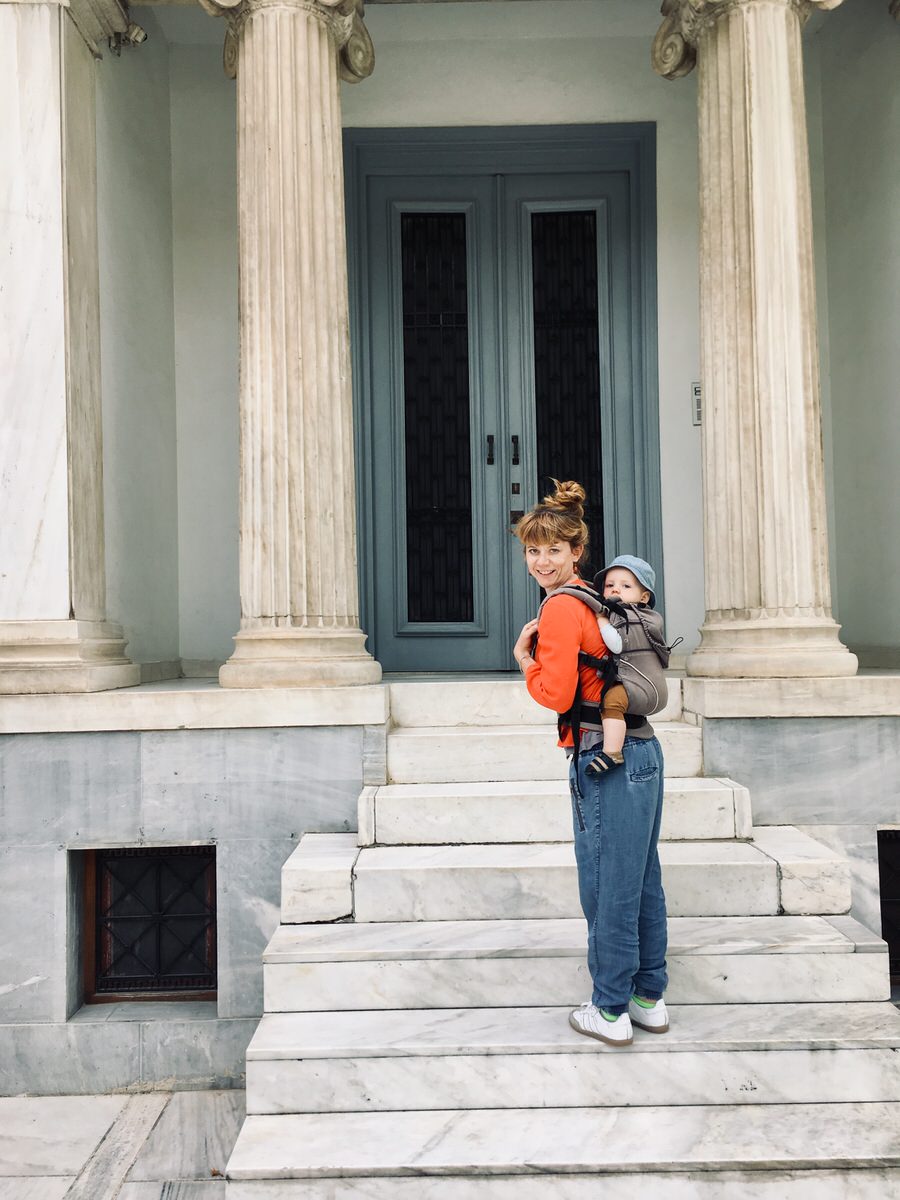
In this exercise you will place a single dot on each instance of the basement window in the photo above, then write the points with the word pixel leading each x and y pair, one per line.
pixel 889 882
pixel 150 924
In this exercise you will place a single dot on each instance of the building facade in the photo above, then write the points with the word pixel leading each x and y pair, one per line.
pixel 288 352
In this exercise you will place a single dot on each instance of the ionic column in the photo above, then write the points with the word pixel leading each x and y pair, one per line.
pixel 768 604
pixel 54 635
pixel 298 571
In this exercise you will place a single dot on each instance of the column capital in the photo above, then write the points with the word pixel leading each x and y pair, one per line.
pixel 96 20
pixel 674 50
pixel 343 18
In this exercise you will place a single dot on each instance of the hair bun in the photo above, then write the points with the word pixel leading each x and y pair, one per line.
pixel 568 497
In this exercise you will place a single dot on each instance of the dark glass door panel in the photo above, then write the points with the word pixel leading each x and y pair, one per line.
pixel 436 402
pixel 566 339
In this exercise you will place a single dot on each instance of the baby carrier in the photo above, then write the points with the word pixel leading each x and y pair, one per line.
pixel 639 667
pixel 644 656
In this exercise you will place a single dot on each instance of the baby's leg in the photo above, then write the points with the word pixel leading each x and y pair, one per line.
pixel 614 729
pixel 613 707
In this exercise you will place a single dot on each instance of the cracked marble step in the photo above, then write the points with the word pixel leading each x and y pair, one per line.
pixel 441 1147
pixel 783 869
pixel 503 753
pixel 698 809
pixel 538 880
pixel 491 1058
pixel 453 964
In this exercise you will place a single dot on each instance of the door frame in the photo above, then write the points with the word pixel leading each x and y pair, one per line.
pixel 546 149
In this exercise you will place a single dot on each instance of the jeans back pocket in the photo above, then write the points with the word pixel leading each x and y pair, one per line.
pixel 642 774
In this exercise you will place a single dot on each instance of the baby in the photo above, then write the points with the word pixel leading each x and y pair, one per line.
pixel 627 580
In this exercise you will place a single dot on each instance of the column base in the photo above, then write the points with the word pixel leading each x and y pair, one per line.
pixel 771 647
pixel 299 657
pixel 43 657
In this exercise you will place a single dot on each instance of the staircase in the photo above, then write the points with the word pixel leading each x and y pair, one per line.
pixel 415 1043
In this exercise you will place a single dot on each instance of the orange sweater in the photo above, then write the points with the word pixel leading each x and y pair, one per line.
pixel 566 626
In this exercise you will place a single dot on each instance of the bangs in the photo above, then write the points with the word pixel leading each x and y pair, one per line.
pixel 539 529
pixel 544 526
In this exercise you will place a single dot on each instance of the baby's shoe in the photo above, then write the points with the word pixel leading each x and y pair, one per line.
pixel 603 762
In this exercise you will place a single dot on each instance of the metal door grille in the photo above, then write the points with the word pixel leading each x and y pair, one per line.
pixel 155 920
pixel 567 358
pixel 889 884
pixel 436 408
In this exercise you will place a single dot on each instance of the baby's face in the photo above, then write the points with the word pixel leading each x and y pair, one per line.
pixel 624 586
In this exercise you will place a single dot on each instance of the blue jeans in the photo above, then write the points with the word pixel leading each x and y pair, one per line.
pixel 616 818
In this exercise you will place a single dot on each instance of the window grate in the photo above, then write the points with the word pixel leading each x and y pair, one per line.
pixel 153 921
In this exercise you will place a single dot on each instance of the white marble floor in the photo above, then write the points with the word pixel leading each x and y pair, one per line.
pixel 143 1147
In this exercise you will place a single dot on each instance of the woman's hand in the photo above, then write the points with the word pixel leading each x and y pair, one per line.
pixel 522 648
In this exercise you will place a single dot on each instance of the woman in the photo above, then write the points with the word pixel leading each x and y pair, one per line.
pixel 616 814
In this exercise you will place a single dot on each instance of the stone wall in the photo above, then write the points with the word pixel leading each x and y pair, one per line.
pixel 205 273
pixel 836 778
pixel 858 48
pixel 134 203
pixel 251 792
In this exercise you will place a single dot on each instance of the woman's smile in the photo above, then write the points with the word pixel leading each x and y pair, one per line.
pixel 552 565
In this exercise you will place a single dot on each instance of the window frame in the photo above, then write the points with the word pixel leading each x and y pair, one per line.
pixel 90 929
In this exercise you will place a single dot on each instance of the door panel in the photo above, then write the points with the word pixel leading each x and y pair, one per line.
pixel 440 601
pixel 566 257
pixel 501 345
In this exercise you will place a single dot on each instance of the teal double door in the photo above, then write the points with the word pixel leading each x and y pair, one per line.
pixel 497 349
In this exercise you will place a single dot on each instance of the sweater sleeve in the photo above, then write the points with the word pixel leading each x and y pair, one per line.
pixel 551 680
pixel 612 638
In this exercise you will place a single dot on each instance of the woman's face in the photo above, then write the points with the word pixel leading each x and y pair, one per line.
pixel 552 565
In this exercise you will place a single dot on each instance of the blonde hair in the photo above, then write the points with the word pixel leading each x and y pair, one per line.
pixel 558 518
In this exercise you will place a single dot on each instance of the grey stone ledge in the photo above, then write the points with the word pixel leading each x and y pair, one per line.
pixel 869 694
pixel 193 704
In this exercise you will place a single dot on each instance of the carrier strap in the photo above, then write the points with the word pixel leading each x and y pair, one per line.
pixel 587 713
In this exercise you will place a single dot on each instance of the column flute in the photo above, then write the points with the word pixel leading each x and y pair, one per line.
pixel 768 603
pixel 298 572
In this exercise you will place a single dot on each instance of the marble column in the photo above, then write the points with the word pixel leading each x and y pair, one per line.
pixel 768 604
pixel 54 635
pixel 298 570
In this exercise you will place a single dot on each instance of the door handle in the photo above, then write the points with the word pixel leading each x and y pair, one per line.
pixel 490 450
pixel 515 442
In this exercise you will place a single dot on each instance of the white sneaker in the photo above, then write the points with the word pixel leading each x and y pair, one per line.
pixel 588 1019
pixel 654 1020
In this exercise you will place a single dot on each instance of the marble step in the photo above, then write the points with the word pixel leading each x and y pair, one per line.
pixel 848 1184
pixel 532 1154
pixel 505 753
pixel 445 701
pixel 493 1058
pixel 538 880
pixel 317 879
pixel 528 811
pixel 451 964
